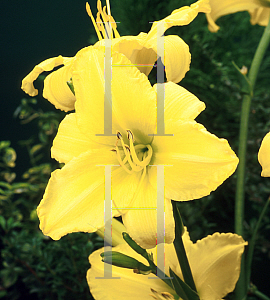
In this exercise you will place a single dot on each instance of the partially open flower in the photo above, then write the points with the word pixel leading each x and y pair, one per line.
pixel 141 50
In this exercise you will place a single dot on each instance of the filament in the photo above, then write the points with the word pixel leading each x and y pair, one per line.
pixel 93 20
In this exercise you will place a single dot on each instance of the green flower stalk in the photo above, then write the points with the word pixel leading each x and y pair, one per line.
pixel 241 289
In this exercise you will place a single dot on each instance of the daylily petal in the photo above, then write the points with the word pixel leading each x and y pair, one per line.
pixel 260 16
pixel 176 55
pixel 141 219
pixel 264 156
pixel 46 65
pixel 56 89
pixel 215 263
pixel 179 103
pixel 221 8
pixel 70 142
pixel 180 17
pixel 143 53
pixel 124 189
pixel 136 50
pixel 177 58
pixel 133 99
pixel 200 159
pixel 142 49
pixel 74 197
pixel 129 286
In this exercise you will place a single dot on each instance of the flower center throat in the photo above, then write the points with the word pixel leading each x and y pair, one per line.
pixel 136 157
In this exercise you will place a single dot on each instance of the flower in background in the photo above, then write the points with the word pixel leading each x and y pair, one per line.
pixel 198 161
pixel 117 228
pixel 259 11
pixel 264 155
pixel 141 50
pixel 214 262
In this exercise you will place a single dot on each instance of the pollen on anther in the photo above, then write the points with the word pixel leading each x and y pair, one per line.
pixel 127 147
pixel 119 135
pixel 130 135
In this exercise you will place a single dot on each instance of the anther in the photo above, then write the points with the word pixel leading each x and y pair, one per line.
pixel 119 135
pixel 130 135
pixel 166 295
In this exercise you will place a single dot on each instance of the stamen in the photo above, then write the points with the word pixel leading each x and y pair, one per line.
pixel 108 7
pixel 108 26
pixel 105 16
pixel 132 165
pixel 100 25
pixel 93 20
pixel 126 158
pixel 167 296
pixel 106 31
pixel 130 154
pixel 130 135
pixel 114 26
pixel 145 161
pixel 121 162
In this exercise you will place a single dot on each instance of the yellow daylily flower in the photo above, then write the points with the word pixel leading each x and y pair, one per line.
pixel 259 11
pixel 264 156
pixel 141 50
pixel 198 161
pixel 116 233
pixel 214 262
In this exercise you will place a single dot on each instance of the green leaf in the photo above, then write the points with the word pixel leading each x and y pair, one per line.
pixel 35 149
pixel 3 222
pixel 182 289
pixel 10 157
pixel 180 249
pixel 9 277
pixel 177 286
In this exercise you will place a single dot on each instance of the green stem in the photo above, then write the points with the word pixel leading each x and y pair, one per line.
pixel 164 278
pixel 253 240
pixel 261 295
pixel 180 248
pixel 264 42
pixel 241 288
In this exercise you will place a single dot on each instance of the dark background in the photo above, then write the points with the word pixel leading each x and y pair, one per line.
pixel 30 32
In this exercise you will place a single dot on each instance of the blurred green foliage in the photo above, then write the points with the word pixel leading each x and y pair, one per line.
pixel 32 265
pixel 35 267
